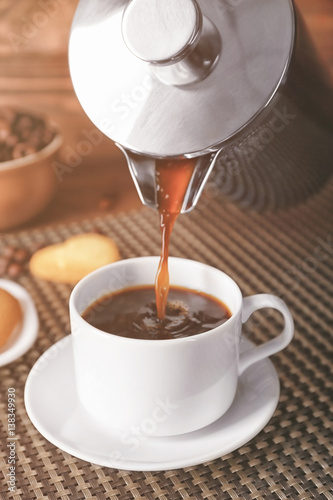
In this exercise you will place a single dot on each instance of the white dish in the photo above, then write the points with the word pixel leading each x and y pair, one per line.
pixel 53 407
pixel 21 341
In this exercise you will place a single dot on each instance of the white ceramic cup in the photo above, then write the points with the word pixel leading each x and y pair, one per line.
pixel 164 387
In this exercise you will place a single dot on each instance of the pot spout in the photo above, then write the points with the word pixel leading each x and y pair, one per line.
pixel 143 171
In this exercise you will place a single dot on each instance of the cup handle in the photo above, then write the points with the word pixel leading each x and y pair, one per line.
pixel 252 304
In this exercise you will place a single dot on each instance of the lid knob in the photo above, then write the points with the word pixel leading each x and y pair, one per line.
pixel 161 31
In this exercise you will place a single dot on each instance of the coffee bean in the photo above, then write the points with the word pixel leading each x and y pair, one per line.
pixel 4 262
pixel 37 246
pixel 21 255
pixel 14 270
pixel 47 136
pixel 22 134
pixel 11 140
pixel 8 252
pixel 98 231
pixel 21 149
pixel 22 123
pixel 13 260
pixel 108 201
pixel 35 138
pixel 7 114
pixel 25 122
pixel 4 130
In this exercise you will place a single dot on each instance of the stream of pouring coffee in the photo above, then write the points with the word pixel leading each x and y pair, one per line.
pixel 172 179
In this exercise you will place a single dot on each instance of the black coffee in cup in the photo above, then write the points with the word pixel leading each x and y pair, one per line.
pixel 132 313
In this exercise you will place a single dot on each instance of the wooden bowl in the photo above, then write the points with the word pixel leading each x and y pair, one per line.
pixel 27 184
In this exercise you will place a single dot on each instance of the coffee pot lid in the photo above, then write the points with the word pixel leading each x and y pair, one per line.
pixel 178 77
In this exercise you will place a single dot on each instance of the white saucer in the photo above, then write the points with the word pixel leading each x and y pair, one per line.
pixel 53 407
pixel 21 340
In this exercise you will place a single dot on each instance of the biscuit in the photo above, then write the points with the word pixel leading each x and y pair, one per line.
pixel 73 259
pixel 11 316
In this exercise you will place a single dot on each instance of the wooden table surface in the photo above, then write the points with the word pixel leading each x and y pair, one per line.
pixel 41 82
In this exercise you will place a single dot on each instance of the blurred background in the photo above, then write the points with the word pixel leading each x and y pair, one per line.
pixel 34 74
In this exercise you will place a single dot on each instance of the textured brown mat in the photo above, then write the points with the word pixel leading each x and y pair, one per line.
pixel 289 254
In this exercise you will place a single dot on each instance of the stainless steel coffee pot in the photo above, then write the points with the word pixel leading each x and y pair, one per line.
pixel 231 83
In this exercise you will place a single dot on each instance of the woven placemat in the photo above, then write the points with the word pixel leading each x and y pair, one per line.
pixel 289 254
